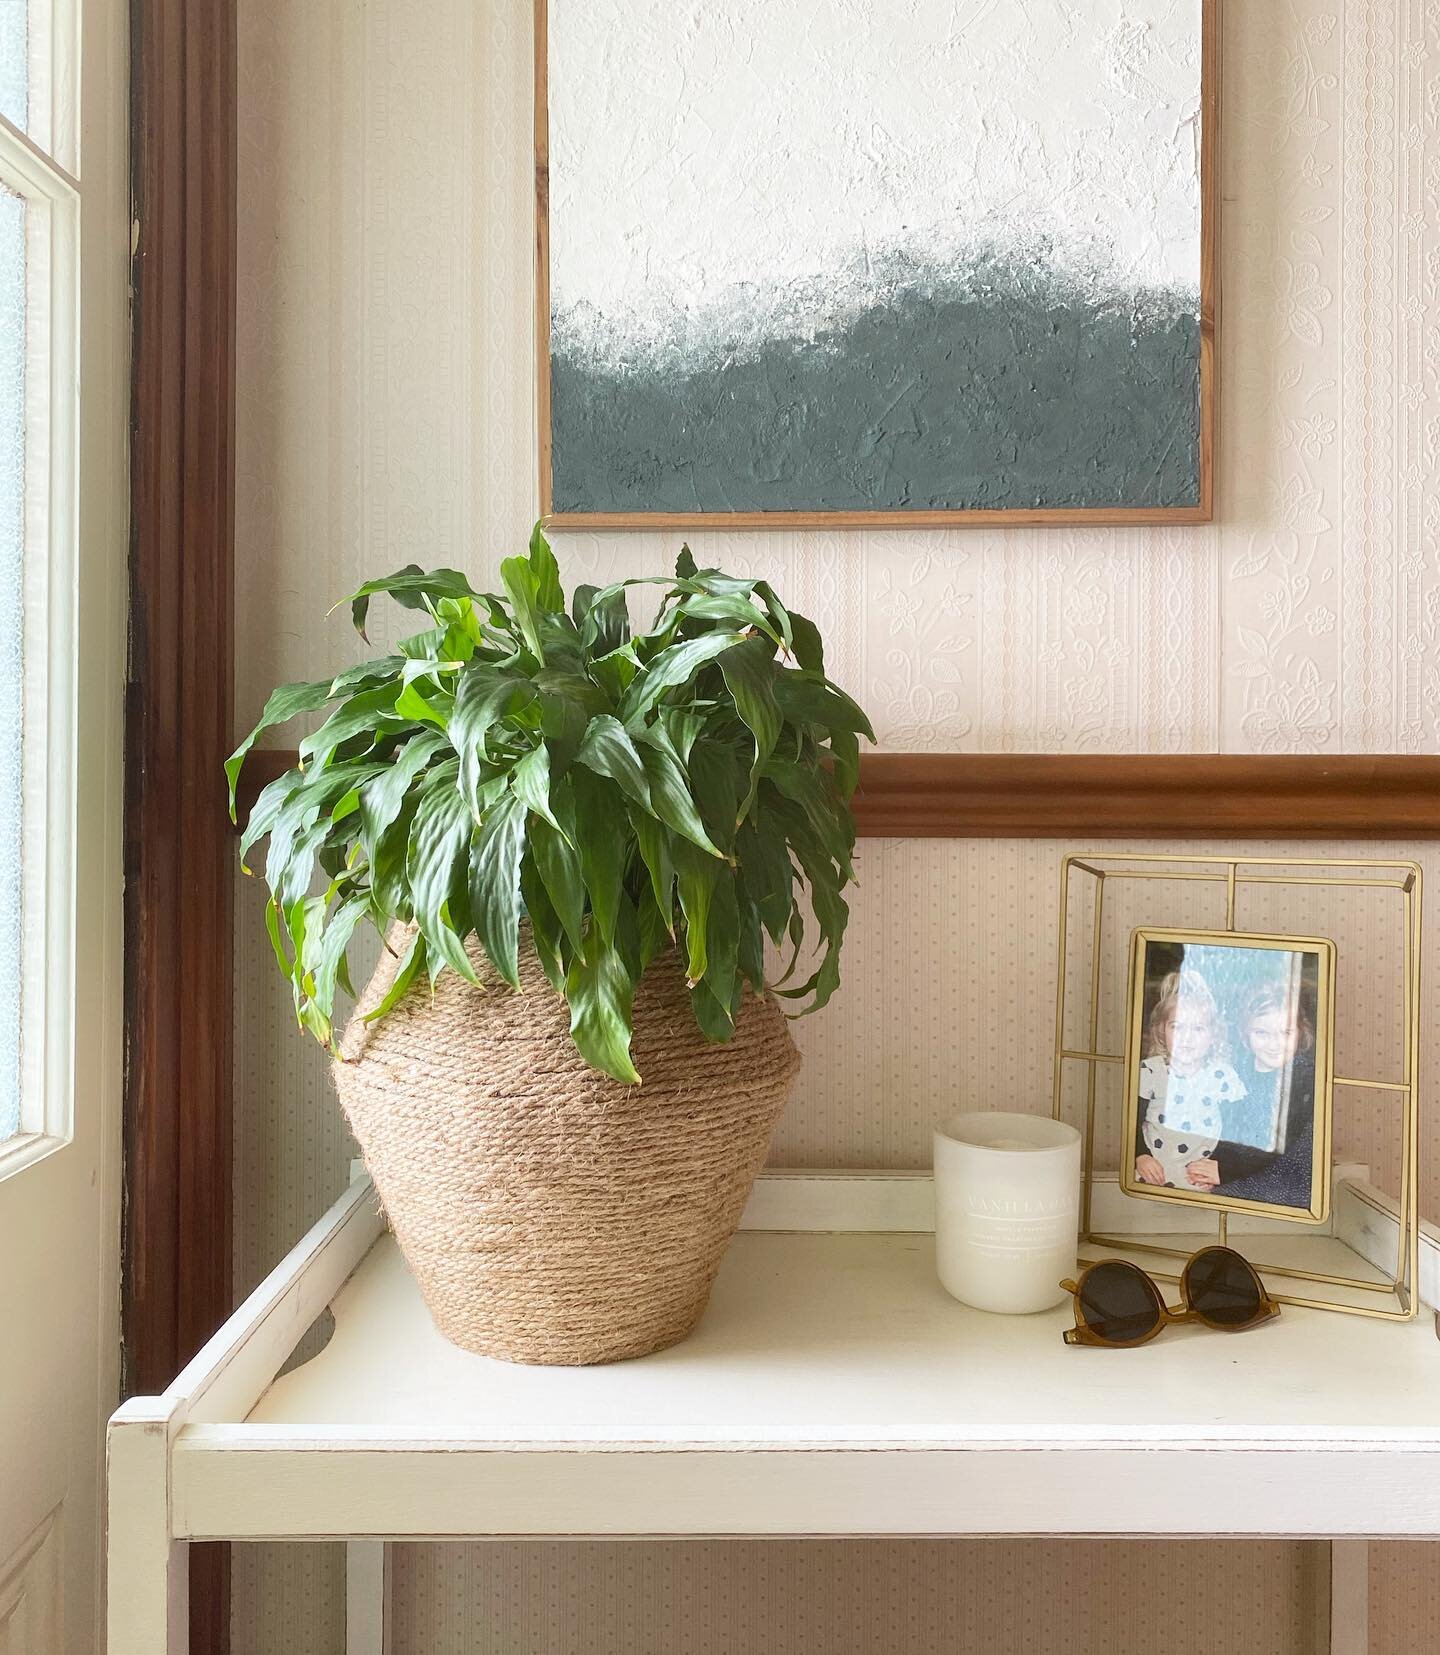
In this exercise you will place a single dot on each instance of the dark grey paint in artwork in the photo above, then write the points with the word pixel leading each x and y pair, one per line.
pixel 1006 389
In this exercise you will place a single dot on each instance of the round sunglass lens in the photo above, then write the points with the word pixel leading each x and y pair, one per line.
pixel 1118 1302
pixel 1223 1288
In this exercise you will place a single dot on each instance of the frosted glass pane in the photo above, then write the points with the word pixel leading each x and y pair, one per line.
pixel 15 64
pixel 13 332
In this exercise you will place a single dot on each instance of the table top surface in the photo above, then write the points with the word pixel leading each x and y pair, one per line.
pixel 849 1341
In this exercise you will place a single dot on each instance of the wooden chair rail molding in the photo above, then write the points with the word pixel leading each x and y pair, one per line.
pixel 1119 795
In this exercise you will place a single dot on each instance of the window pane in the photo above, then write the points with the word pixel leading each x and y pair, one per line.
pixel 13 340
pixel 15 65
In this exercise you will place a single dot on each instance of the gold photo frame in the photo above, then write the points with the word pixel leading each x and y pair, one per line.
pixel 1341 1278
pixel 1313 1042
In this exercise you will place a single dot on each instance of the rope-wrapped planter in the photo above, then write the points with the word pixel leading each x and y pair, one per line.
pixel 548 1213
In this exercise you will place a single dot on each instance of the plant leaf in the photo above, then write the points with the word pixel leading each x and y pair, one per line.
pixel 601 996
pixel 284 703
pixel 558 865
pixel 696 876
pixel 545 927
pixel 672 667
pixel 549 594
pixel 599 819
pixel 521 585
pixel 805 643
pixel 381 799
pixel 531 780
pixel 749 671
pixel 495 884
pixel 329 956
pixel 411 587
pixel 435 863
pixel 805 699
pixel 670 798
pixel 485 697
pixel 266 808
pixel 653 839
pixel 722 939
pixel 606 748
pixel 367 713
pixel 412 963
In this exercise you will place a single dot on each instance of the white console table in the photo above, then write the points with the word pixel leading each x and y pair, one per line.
pixel 832 1388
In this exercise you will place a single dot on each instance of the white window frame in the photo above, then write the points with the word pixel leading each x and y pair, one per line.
pixel 50 586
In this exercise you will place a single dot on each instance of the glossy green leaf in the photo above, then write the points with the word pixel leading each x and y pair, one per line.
pixel 266 809
pixel 522 588
pixel 366 676
pixel 285 703
pixel 749 671
pixel 381 798
pixel 807 648
pixel 557 862
pixel 606 748
pixel 364 715
pixel 807 699
pixel 722 938
pixel 410 587
pixel 600 836
pixel 603 619
pixel 696 876
pixel 653 840
pixel 486 697
pixel 412 963
pixel 672 668
pixel 733 608
pixel 531 780
pixel 436 861
pixel 495 885
pixel 670 797
pixel 549 595
pixel 601 995
pixel 329 963
pixel 763 854
pixel 546 933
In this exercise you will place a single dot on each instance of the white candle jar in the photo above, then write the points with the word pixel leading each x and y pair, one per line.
pixel 1007 1201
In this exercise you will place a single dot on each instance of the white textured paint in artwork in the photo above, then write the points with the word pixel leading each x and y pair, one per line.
pixel 756 169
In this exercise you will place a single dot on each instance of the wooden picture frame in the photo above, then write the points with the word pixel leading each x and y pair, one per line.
pixel 1097 516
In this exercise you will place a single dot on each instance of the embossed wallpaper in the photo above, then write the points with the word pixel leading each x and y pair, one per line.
pixel 386 415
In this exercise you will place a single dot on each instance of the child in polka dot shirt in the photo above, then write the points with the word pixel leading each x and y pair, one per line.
pixel 1186 1083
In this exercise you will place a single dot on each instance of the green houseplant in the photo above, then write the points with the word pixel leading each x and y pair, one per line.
pixel 525 791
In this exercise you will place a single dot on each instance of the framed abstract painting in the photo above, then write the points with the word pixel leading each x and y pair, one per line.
pixel 904 262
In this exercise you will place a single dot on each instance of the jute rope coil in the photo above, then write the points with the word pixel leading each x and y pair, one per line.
pixel 548 1213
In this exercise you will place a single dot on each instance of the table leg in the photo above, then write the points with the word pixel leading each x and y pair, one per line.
pixel 367 1566
pixel 147 1569
pixel 1349 1597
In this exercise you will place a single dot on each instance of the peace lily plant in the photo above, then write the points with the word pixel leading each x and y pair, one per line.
pixel 536 774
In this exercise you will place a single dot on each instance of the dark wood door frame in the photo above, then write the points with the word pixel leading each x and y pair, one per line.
pixel 178 852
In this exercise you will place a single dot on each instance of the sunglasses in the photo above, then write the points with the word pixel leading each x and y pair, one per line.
pixel 1117 1304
